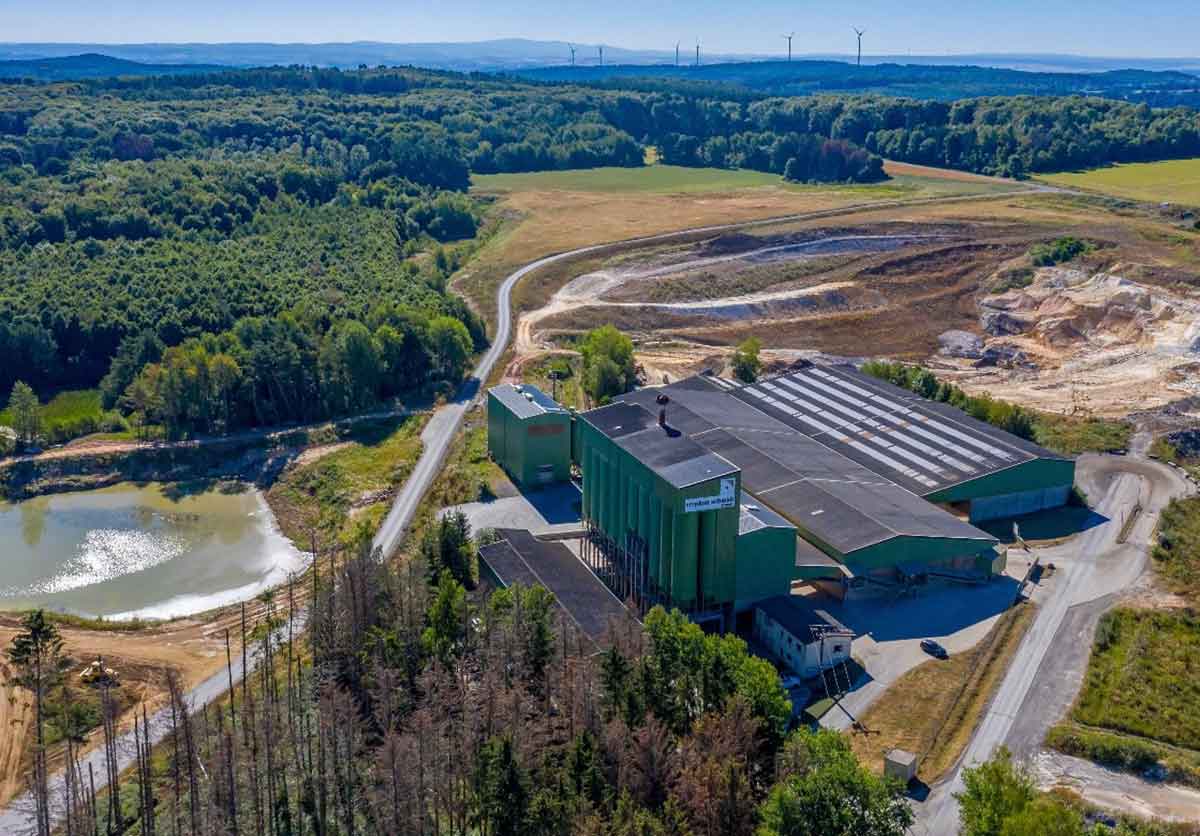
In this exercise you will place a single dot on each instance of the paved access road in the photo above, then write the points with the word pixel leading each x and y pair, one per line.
pixel 1093 567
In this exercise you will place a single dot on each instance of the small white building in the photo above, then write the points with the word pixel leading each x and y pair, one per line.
pixel 805 638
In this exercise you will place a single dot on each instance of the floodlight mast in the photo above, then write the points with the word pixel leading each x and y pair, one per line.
pixel 788 37
pixel 860 33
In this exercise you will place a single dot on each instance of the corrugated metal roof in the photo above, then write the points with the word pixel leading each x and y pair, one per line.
pixel 817 487
pixel 526 400
pixel 921 445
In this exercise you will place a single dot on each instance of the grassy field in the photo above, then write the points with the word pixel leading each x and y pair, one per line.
pixel 653 178
pixel 71 414
pixel 1144 677
pixel 547 212
pixel 1170 181
pixel 933 709
pixel 907 181
pixel 1140 702
pixel 347 483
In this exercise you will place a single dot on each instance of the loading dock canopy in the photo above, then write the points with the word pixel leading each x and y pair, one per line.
pixel 822 491
pixel 667 451
pixel 525 401
pixel 921 445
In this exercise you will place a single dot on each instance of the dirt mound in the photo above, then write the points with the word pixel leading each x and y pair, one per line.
pixel 1004 324
pixel 962 344
pixel 729 244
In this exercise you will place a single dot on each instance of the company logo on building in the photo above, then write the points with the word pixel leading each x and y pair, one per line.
pixel 727 498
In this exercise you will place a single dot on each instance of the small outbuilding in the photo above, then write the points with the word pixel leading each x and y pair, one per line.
pixel 529 435
pixel 900 765
pixel 806 638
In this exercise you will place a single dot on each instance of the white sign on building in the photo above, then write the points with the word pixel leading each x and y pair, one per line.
pixel 727 498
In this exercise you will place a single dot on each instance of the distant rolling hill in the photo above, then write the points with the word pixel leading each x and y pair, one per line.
pixel 802 77
pixel 92 65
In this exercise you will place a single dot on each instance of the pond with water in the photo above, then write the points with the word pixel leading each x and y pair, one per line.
pixel 145 550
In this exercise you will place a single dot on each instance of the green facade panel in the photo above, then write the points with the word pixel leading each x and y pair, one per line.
pixel 923 550
pixel 534 449
pixel 690 554
pixel 766 564
pixel 1036 474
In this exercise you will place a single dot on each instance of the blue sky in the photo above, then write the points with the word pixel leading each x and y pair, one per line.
pixel 1100 27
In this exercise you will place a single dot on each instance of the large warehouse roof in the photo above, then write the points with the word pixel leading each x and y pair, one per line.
pixel 814 485
pixel 924 446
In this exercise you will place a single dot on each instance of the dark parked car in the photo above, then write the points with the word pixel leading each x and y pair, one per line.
pixel 934 649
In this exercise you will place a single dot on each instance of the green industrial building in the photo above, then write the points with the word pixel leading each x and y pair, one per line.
pixel 710 496
pixel 529 435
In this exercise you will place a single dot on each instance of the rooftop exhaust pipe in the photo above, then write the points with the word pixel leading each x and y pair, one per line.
pixel 662 400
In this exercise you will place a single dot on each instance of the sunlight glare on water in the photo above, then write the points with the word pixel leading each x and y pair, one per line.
pixel 109 553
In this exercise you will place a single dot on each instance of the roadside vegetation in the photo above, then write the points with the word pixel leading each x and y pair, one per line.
pixel 1000 798
pixel 1066 434
pixel 1139 708
pixel 559 376
pixel 1177 554
pixel 343 490
pixel 933 710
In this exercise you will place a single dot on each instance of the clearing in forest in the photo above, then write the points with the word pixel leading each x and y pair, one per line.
pixel 1170 181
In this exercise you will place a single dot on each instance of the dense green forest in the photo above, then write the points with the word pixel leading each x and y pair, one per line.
pixel 922 81
pixel 178 206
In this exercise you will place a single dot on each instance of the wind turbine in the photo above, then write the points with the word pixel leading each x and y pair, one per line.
pixel 601 48
pixel 572 48
pixel 860 33
pixel 789 37
pixel 677 53
pixel 697 52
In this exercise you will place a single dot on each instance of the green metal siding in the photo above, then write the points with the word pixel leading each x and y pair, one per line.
pixel 691 556
pixel 523 447
pixel 891 553
pixel 766 564
pixel 1036 474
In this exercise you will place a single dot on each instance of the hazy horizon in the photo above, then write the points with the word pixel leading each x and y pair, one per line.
pixel 1165 29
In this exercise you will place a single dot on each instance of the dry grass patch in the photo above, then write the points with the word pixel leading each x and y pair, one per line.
pixel 933 709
